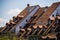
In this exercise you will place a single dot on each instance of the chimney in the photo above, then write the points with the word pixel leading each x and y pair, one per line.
pixel 46 7
pixel 28 8
pixel 28 5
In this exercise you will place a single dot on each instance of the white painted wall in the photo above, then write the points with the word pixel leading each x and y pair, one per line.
pixel 27 18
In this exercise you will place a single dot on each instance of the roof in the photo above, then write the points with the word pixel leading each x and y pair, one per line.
pixel 49 11
pixel 38 14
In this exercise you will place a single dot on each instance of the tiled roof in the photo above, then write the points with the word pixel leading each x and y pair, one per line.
pixel 38 14
pixel 49 11
pixel 23 13
pixel 37 29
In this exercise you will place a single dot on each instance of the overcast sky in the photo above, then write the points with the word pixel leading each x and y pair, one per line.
pixel 10 8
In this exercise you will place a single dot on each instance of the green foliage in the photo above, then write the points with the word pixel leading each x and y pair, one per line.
pixel 9 36
pixel 14 38
pixel 4 38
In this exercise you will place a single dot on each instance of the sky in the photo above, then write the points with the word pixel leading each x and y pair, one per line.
pixel 10 8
